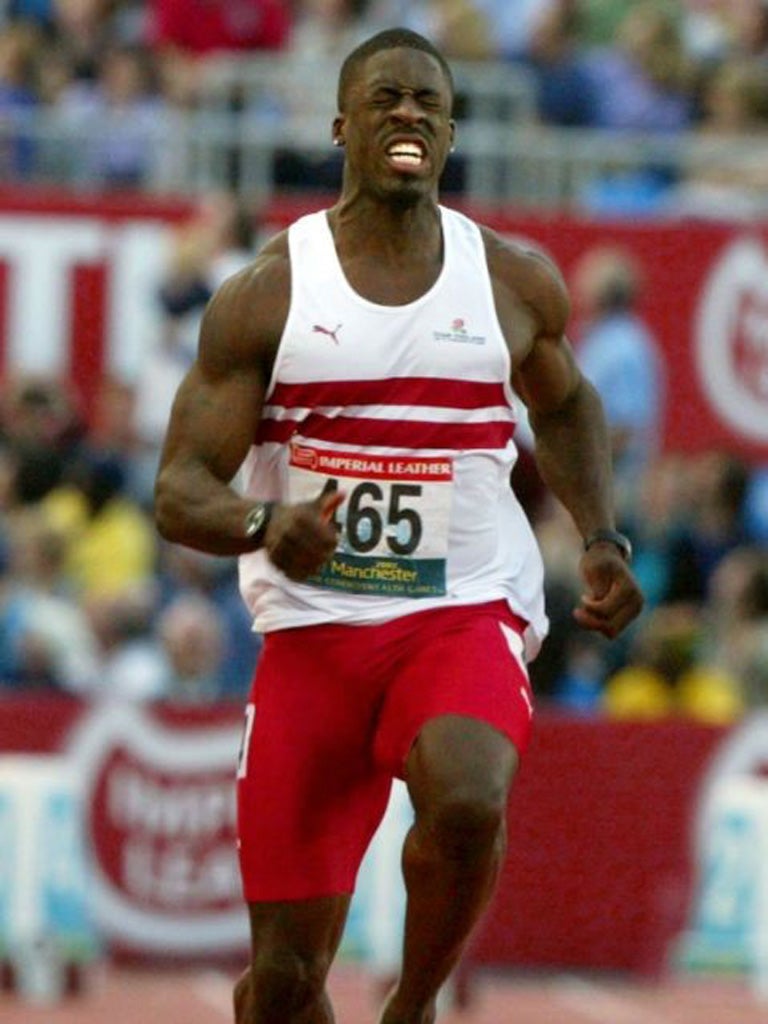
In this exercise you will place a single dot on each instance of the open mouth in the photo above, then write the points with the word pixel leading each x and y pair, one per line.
pixel 407 156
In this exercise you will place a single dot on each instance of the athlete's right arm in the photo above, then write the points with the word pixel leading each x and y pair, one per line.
pixel 213 423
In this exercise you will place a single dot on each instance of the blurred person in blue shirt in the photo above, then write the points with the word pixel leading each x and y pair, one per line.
pixel 617 352
pixel 564 88
pixel 17 99
pixel 644 81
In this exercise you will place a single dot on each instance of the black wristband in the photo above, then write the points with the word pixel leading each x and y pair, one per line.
pixel 609 536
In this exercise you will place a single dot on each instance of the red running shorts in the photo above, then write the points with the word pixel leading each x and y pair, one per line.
pixel 333 713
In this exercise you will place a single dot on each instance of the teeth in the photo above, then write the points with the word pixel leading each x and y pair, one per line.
pixel 406 150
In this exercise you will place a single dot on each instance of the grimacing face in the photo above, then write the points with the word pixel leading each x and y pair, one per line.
pixel 396 125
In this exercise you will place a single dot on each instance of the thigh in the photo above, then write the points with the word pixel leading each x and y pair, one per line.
pixel 464 662
pixel 309 795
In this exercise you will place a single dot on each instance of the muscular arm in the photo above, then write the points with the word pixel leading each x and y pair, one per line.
pixel 572 443
pixel 217 408
pixel 213 423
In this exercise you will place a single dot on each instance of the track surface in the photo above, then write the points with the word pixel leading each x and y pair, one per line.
pixel 125 996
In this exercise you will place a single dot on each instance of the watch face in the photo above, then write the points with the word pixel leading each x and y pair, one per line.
pixel 255 520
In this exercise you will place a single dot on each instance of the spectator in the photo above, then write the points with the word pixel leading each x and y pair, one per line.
pixel 112 430
pixel 663 676
pixel 728 173
pixel 192 639
pixel 47 639
pixel 735 642
pixel 564 94
pixel 460 28
pixel 580 685
pixel 110 544
pixel 511 25
pixel 185 573
pixel 126 150
pixel 131 664
pixel 325 28
pixel 325 31
pixel 82 29
pixel 17 99
pixel 463 29
pixel 617 352
pixel 712 526
pixel 42 427
pixel 643 83
pixel 654 521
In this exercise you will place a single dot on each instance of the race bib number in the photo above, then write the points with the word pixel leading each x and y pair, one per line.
pixel 393 523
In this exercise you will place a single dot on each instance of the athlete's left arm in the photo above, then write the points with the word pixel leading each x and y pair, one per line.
pixel 572 443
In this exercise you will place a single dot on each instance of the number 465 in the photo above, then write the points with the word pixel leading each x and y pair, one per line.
pixel 370 515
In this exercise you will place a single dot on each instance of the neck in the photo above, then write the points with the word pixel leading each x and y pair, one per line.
pixel 383 226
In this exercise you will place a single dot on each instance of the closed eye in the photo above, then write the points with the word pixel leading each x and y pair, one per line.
pixel 385 97
pixel 428 99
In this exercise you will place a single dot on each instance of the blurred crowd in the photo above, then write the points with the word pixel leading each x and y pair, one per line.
pixel 93 603
pixel 656 66
pixel 698 524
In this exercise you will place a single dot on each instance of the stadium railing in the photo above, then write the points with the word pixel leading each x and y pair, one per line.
pixel 250 110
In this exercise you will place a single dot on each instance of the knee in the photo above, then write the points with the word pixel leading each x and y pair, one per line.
pixel 287 981
pixel 469 826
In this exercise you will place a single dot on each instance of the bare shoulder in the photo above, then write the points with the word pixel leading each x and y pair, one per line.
pixel 527 276
pixel 244 320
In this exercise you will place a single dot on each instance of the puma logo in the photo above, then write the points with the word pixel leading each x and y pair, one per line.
pixel 332 334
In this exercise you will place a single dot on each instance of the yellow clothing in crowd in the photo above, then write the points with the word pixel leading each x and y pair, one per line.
pixel 702 694
pixel 105 553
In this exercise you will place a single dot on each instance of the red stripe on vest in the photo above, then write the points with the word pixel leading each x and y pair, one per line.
pixel 419 391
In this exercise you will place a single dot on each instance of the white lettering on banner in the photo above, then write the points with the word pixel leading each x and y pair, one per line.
pixel 138 256
pixel 137 803
pixel 160 828
pixel 732 338
pixel 41 253
pixel 176 878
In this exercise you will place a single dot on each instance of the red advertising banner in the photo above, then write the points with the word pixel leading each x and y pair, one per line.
pixel 79 277
pixel 78 283
pixel 603 843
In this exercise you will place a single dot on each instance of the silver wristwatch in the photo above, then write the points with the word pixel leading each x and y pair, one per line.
pixel 257 520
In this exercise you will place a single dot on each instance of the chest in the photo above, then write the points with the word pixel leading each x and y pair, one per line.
pixel 330 337
pixel 395 285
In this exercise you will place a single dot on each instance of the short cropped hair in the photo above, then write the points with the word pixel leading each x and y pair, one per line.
pixel 389 39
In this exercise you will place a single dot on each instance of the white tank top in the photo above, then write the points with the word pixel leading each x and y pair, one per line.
pixel 410 410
